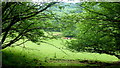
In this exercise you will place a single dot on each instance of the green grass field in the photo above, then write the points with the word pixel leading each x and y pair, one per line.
pixel 31 54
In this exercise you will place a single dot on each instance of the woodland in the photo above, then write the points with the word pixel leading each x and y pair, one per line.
pixel 85 34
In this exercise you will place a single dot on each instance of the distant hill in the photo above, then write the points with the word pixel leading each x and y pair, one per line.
pixel 63 7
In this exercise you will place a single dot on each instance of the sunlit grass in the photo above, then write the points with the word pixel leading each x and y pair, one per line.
pixel 41 54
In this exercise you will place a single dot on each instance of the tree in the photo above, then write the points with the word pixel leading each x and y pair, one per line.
pixel 23 20
pixel 66 21
pixel 68 24
pixel 98 28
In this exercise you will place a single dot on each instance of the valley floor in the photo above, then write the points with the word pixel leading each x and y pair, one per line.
pixel 51 53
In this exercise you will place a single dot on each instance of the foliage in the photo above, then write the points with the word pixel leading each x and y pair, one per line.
pixel 98 28
pixel 68 24
pixel 23 20
pixel 63 14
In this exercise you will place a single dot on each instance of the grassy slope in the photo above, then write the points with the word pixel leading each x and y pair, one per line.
pixel 34 54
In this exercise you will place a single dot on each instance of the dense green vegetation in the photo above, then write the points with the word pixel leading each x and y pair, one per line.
pixel 61 34
pixel 24 20
pixel 97 28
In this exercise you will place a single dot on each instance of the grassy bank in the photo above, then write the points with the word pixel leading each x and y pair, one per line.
pixel 31 54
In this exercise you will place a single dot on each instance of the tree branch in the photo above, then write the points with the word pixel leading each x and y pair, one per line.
pixel 15 20
pixel 17 38
pixel 108 18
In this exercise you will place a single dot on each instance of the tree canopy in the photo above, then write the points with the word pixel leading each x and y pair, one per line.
pixel 21 20
pixel 94 25
pixel 97 28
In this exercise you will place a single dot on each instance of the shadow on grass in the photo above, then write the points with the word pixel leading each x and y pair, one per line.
pixel 13 59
